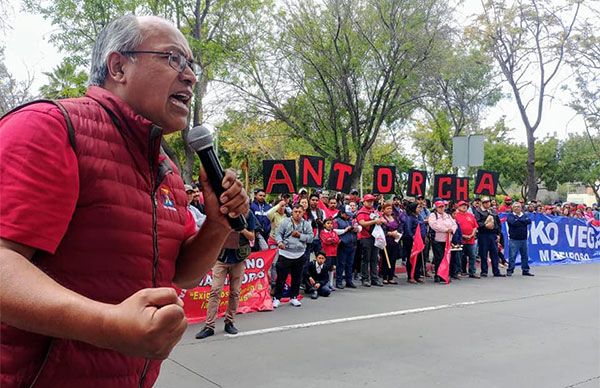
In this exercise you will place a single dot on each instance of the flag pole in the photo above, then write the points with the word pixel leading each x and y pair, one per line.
pixel 387 258
pixel 422 254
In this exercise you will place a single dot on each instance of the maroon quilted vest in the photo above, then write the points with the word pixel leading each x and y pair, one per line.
pixel 125 235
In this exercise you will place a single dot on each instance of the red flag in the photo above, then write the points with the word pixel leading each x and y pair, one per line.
pixel 417 247
pixel 444 268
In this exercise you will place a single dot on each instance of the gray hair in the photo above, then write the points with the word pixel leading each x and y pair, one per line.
pixel 122 34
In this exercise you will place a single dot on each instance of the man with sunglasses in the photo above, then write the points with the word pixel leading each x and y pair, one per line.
pixel 85 284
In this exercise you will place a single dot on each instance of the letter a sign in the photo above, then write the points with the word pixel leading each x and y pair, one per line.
pixel 486 182
pixel 279 176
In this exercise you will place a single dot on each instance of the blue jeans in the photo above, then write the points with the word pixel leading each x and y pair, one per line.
pixel 345 262
pixel 468 252
pixel 519 246
pixel 323 290
pixel 487 244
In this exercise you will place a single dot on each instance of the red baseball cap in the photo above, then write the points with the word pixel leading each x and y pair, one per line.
pixel 369 197
pixel 507 198
pixel 439 203
pixel 460 203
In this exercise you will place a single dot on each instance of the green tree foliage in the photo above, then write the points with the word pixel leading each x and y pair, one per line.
pixel 388 153
pixel 78 22
pixel 527 38
pixel 247 140
pixel 579 162
pixel 569 161
pixel 339 73
pixel 65 81
pixel 462 86
pixel 585 59
pixel 208 25
pixel 12 92
pixel 432 140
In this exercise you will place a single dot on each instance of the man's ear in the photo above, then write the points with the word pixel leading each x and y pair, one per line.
pixel 116 64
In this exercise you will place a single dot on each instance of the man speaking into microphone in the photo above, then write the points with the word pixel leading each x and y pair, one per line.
pixel 86 273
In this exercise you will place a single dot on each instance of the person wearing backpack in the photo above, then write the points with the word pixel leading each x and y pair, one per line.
pixel 86 274
pixel 231 262
pixel 444 226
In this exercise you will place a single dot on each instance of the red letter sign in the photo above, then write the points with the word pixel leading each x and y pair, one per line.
pixel 444 186
pixel 311 171
pixel 279 176
pixel 486 182
pixel 340 176
pixel 462 189
pixel 383 179
pixel 416 183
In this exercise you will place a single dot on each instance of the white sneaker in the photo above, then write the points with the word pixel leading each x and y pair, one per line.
pixel 276 303
pixel 295 302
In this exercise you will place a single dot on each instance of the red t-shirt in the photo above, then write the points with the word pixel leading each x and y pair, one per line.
pixel 467 224
pixel 39 181
pixel 364 214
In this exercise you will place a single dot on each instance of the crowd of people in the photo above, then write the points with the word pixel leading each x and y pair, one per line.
pixel 326 241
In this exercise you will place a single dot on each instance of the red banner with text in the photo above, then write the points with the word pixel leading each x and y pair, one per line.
pixel 254 294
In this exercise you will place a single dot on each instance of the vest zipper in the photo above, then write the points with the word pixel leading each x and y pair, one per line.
pixel 154 183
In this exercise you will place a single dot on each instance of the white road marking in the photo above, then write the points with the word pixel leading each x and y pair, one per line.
pixel 356 318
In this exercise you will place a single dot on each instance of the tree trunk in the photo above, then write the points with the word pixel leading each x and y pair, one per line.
pixel 197 118
pixel 171 153
pixel 358 168
pixel 596 192
pixel 532 186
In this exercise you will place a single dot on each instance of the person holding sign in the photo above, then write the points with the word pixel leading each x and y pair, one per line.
pixel 367 217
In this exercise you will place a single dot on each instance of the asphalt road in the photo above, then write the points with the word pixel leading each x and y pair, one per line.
pixel 496 332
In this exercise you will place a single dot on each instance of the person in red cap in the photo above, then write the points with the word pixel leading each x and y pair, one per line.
pixel 367 217
pixel 468 225
pixel 443 224
pixel 506 206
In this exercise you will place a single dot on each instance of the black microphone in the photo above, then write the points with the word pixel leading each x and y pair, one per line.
pixel 201 141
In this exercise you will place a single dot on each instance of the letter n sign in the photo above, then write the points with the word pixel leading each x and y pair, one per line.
pixel 311 171
pixel 340 176
pixel 486 182
pixel 416 183
pixel 279 176
pixel 384 179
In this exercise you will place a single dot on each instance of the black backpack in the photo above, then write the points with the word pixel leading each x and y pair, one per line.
pixel 431 232
pixel 70 129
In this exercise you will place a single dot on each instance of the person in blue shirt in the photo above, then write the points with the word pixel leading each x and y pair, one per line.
pixel 260 208
pixel 517 222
